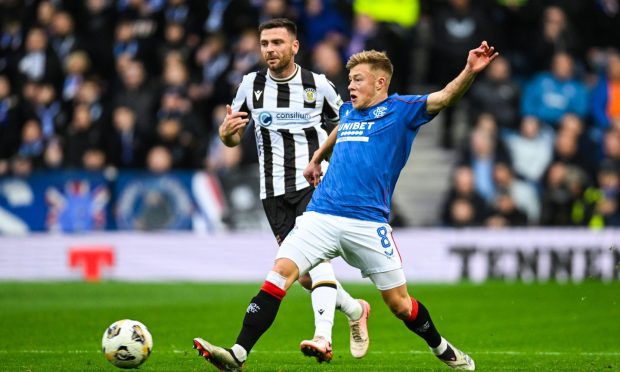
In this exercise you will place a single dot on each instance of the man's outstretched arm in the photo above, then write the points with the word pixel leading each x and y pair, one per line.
pixel 477 60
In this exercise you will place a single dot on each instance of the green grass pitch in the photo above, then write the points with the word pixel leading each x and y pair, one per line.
pixel 504 327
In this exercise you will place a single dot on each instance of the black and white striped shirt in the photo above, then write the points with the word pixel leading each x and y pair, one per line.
pixel 288 115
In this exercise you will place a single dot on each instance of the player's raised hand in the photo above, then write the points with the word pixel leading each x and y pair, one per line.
pixel 313 173
pixel 233 121
pixel 479 58
pixel 231 128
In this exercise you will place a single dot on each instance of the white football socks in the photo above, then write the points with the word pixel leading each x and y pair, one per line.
pixel 347 304
pixel 239 352
pixel 443 346
pixel 324 294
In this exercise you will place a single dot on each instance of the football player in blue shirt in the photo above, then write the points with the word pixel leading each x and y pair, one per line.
pixel 348 213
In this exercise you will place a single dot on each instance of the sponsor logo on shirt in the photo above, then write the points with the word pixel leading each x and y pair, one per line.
pixel 265 119
pixel 354 131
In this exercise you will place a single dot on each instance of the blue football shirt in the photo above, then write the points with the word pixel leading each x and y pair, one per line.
pixel 371 149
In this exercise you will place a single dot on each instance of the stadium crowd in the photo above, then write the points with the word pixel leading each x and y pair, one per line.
pixel 143 84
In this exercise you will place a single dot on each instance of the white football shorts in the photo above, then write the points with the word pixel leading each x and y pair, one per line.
pixel 366 245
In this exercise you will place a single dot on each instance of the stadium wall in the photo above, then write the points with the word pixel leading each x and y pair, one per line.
pixel 429 255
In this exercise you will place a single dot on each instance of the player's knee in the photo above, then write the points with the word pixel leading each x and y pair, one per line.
pixel 305 281
pixel 400 307
pixel 287 269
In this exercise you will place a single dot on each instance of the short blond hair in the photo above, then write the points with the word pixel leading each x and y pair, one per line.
pixel 377 61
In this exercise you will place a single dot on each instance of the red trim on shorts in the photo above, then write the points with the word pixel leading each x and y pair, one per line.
pixel 273 290
pixel 414 310
pixel 396 245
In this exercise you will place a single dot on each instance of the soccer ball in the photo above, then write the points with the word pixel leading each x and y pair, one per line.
pixel 127 343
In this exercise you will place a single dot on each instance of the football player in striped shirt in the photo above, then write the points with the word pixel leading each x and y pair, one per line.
pixel 292 109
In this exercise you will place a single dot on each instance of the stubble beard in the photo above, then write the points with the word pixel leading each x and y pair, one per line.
pixel 282 65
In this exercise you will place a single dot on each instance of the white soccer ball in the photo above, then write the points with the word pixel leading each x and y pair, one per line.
pixel 127 343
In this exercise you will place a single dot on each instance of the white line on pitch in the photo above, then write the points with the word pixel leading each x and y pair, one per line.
pixel 487 352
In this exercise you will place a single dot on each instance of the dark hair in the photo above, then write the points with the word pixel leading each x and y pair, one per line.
pixel 289 25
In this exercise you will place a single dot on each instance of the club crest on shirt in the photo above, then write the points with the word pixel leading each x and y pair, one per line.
pixel 379 111
pixel 310 95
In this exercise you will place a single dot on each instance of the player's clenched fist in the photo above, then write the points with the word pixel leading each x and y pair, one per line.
pixel 313 173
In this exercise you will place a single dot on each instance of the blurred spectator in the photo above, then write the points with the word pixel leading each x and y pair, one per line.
pixel 63 39
pixel 365 30
pixel 611 147
pixel 458 27
pixel 550 95
pixel 9 125
pixel 564 185
pixel 32 143
pixel 463 206
pixel 96 22
pixel 175 105
pixel 48 109
pixel 481 156
pixel 11 40
pixel 137 93
pixel 144 16
pixel 159 160
pixel 396 21
pixel 212 60
pixel 239 15
pixel 603 23
pixel 497 94
pixel 124 144
pixel 125 43
pixel 245 58
pixel 598 207
pixel 556 35
pixel 174 41
pixel 90 93
pixel 572 147
pixel 53 158
pixel 21 166
pixel 170 135
pixel 486 123
pixel 505 213
pixel 326 60
pixel 606 94
pixel 275 9
pixel 321 21
pixel 522 194
pixel 462 213
pixel 38 62
pixel 179 12
pixel 93 159
pixel 175 74
pixel 531 150
pixel 77 65
pixel 45 14
pixel 81 136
